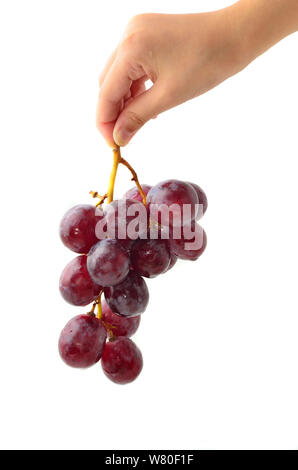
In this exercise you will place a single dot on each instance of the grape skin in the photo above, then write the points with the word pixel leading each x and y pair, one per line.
pixel 130 297
pixel 119 222
pixel 121 326
pixel 108 262
pixel 134 193
pixel 77 228
pixel 203 201
pixel 173 261
pixel 122 360
pixel 178 247
pixel 82 341
pixel 169 193
pixel 76 285
pixel 150 257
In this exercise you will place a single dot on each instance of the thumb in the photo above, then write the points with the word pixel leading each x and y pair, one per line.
pixel 137 112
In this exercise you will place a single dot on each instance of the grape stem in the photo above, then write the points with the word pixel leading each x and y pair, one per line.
pixel 92 308
pixel 95 194
pixel 99 316
pixel 117 160
pixel 135 179
pixel 99 306
pixel 109 329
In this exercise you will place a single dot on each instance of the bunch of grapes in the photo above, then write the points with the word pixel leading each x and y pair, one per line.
pixel 116 249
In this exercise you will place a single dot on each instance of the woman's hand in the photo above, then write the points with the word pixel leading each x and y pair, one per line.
pixel 183 56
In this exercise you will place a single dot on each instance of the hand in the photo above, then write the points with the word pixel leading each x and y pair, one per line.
pixel 183 56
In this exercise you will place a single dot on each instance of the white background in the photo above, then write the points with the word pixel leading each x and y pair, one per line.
pixel 219 337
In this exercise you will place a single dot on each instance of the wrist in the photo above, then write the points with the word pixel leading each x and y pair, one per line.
pixel 259 24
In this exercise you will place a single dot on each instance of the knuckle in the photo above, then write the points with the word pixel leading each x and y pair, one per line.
pixel 137 34
pixel 133 42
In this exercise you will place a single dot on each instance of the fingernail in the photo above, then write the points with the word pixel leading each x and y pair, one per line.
pixel 122 136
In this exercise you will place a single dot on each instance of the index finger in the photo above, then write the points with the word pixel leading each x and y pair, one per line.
pixel 115 87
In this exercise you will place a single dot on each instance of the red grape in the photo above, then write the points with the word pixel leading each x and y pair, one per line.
pixel 157 231
pixel 77 228
pixel 202 199
pixel 108 262
pixel 150 257
pixel 76 285
pixel 173 261
pixel 129 298
pixel 126 219
pixel 134 193
pixel 122 326
pixel 122 360
pixel 170 200
pixel 82 341
pixel 197 239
